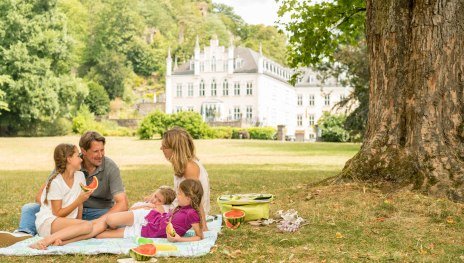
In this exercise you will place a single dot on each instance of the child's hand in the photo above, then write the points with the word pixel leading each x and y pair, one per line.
pixel 175 238
pixel 83 196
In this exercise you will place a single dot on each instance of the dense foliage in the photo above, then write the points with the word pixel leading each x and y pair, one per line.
pixel 332 31
pixel 34 67
pixel 97 100
pixel 50 50
pixel 156 123
pixel 331 127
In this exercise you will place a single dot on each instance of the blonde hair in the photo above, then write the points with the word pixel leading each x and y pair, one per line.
pixel 168 193
pixel 60 155
pixel 183 149
pixel 194 190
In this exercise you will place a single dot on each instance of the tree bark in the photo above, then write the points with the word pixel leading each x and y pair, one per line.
pixel 415 129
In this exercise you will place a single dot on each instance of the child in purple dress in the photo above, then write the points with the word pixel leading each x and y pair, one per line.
pixel 153 223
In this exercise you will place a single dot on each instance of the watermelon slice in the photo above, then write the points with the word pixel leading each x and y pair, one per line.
pixel 92 186
pixel 234 218
pixel 143 252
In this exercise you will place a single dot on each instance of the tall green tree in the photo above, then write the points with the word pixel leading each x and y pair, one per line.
pixel 415 129
pixel 34 53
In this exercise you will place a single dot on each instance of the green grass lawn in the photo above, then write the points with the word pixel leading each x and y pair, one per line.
pixel 346 223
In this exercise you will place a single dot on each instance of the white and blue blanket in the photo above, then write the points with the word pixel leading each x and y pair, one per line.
pixel 120 245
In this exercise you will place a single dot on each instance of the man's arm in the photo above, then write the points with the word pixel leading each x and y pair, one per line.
pixel 39 193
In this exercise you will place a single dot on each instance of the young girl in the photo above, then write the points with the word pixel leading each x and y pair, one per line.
pixel 152 223
pixel 178 148
pixel 160 200
pixel 62 200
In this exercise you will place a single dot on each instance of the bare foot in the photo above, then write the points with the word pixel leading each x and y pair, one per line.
pixel 38 245
pixel 58 242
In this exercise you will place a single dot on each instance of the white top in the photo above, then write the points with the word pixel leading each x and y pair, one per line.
pixel 59 190
pixel 204 180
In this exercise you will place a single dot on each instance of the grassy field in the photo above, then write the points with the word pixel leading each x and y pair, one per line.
pixel 346 223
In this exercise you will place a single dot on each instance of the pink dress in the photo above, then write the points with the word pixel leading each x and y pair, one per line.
pixel 181 220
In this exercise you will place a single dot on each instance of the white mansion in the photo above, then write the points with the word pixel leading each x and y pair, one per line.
pixel 240 86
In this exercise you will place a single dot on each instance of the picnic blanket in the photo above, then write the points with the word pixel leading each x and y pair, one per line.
pixel 121 245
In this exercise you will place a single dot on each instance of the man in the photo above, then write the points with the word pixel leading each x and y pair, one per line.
pixel 108 198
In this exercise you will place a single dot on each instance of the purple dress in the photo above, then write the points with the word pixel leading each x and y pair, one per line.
pixel 181 220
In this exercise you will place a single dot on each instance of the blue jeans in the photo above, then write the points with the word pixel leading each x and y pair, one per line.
pixel 27 221
pixel 93 213
pixel 28 211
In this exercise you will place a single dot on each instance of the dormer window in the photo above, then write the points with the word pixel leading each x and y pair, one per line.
pixel 238 62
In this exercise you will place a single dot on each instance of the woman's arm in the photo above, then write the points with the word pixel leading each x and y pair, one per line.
pixel 198 235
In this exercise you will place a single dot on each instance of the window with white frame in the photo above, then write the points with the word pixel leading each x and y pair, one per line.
pixel 213 64
pixel 237 88
pixel 299 120
pixel 202 66
pixel 311 100
pixel 327 100
pixel 299 100
pixel 213 88
pixel 249 88
pixel 178 108
pixel 179 90
pixel 249 112
pixel 311 119
pixel 237 114
pixel 225 88
pixel 342 97
pixel 190 89
pixel 202 88
pixel 190 108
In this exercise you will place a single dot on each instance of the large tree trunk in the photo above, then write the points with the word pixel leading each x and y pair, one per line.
pixel 415 129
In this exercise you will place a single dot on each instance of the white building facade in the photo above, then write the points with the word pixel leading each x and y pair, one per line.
pixel 313 97
pixel 240 85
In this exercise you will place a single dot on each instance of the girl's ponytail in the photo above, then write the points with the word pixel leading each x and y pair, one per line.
pixel 60 155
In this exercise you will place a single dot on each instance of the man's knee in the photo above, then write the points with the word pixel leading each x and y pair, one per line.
pixel 30 208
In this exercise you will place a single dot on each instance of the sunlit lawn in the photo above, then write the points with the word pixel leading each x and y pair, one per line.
pixel 348 223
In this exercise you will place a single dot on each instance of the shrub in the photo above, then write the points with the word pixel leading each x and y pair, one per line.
pixel 84 121
pixel 262 133
pixel 98 100
pixel 240 134
pixel 222 132
pixel 158 122
pixel 152 124
pixel 192 122
pixel 332 128
pixel 111 128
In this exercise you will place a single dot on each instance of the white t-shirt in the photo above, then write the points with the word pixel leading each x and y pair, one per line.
pixel 204 180
pixel 59 190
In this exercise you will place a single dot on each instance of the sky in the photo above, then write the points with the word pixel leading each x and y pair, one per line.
pixel 254 11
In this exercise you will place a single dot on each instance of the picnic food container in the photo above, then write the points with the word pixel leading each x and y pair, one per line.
pixel 255 206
